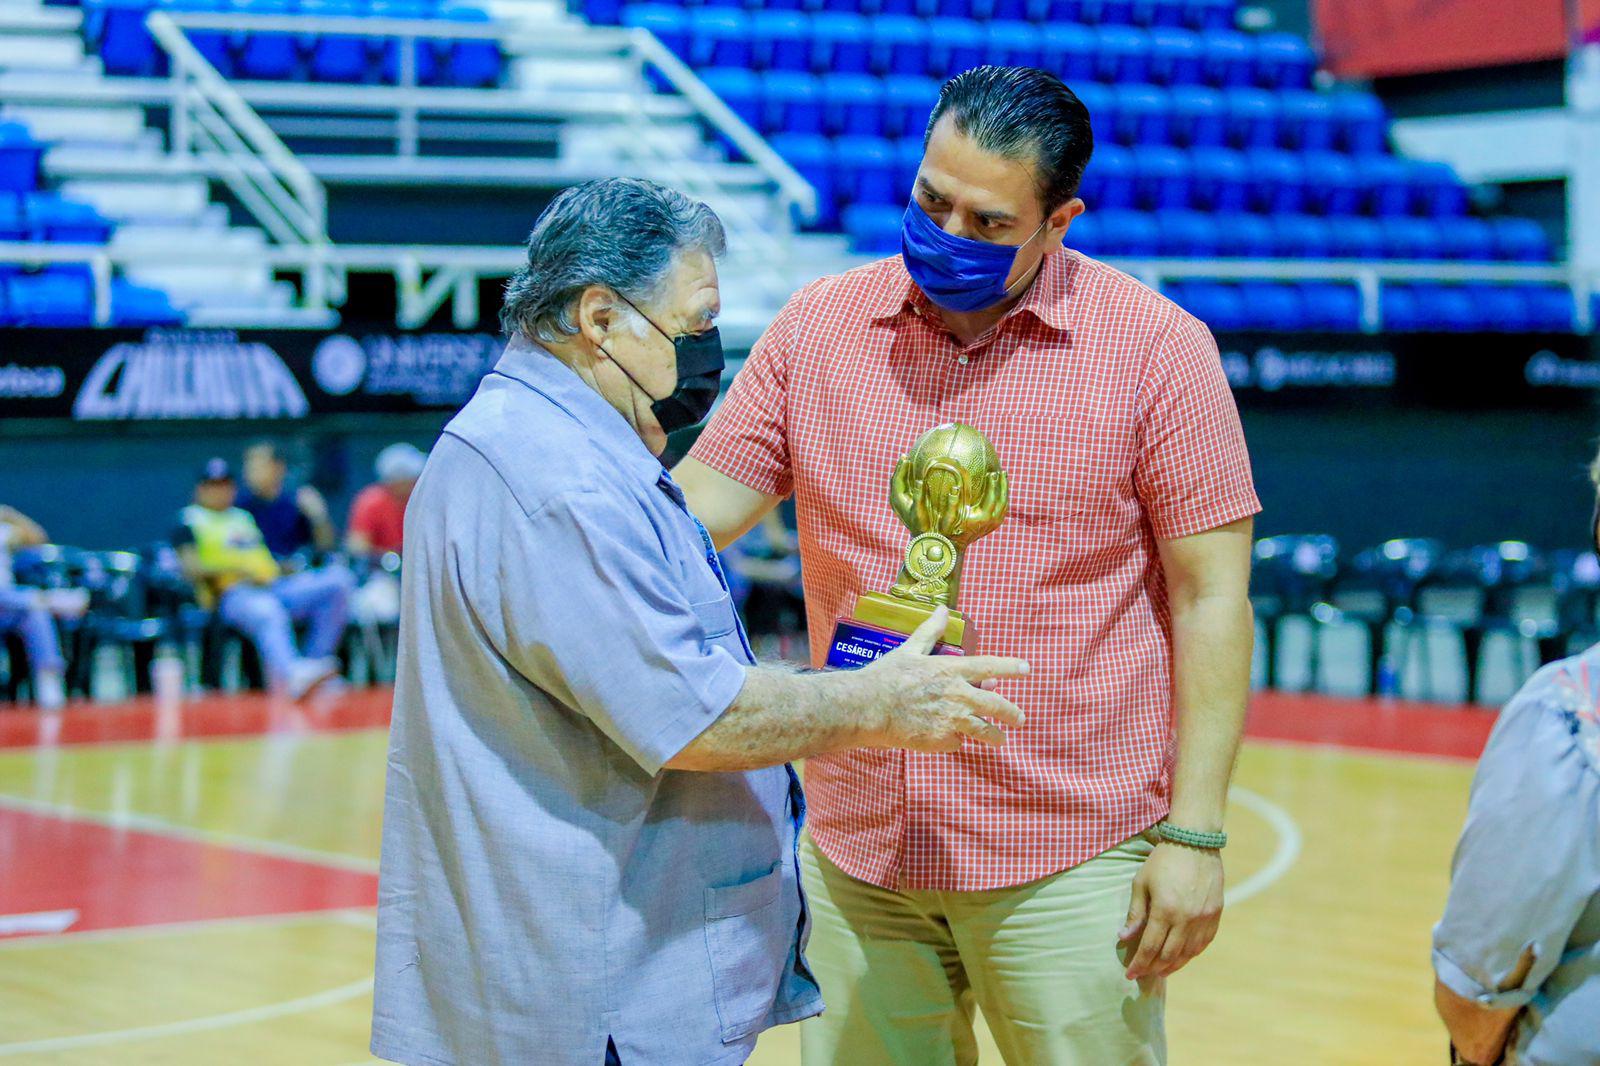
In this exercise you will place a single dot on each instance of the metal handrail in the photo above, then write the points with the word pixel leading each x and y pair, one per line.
pixel 211 123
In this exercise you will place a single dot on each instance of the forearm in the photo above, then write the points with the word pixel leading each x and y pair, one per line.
pixel 780 716
pixel 727 508
pixel 1478 1033
pixel 323 535
pixel 1212 637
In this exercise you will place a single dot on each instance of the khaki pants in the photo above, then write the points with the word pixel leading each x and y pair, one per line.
pixel 902 971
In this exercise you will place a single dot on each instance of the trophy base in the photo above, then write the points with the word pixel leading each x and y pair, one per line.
pixel 855 644
pixel 903 616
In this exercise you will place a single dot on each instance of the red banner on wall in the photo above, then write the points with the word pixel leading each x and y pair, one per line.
pixel 1380 38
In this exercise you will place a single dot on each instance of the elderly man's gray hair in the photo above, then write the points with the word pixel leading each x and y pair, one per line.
pixel 623 233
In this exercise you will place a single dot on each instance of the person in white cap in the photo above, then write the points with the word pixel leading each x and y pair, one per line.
pixel 377 517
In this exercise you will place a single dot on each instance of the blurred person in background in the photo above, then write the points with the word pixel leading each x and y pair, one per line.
pixel 291 522
pixel 377 517
pixel 23 612
pixel 226 558
pixel 1517 953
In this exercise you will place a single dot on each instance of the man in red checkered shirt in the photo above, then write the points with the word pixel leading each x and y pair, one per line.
pixel 1057 880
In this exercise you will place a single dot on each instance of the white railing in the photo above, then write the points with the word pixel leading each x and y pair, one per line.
pixel 213 128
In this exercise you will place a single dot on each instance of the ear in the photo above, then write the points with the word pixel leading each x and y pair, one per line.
pixel 597 315
pixel 1061 218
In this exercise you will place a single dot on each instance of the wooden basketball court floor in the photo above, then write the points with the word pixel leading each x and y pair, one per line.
pixel 195 885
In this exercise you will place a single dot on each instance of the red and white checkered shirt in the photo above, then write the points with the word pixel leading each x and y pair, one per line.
pixel 1115 425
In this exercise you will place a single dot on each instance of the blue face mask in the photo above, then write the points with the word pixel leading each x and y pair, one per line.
pixel 956 273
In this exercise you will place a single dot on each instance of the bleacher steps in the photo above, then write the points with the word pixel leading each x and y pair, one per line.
pixel 30 51
pixel 52 122
pixel 171 199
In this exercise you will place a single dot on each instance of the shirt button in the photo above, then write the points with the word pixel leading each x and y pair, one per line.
pixel 961 359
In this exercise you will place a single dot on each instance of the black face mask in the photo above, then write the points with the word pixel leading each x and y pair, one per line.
pixel 700 366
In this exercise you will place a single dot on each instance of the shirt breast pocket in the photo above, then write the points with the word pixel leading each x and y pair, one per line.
pixel 1064 467
pixel 716 617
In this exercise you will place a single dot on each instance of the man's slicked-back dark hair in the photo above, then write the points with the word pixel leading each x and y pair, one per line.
pixel 1024 114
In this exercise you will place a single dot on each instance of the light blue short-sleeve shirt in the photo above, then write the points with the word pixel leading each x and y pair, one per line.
pixel 1526 877
pixel 546 886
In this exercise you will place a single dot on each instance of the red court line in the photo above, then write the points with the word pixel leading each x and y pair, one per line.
pixel 116 878
pixel 215 715
pixel 1448 731
pixel 1306 718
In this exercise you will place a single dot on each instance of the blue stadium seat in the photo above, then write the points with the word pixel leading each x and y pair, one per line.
pixel 13 223
pixel 464 63
pixel 1519 240
pixel 953 46
pixel 1197 118
pixel 137 305
pixel 1301 237
pixel 780 40
pixel 719 37
pixel 1218 305
pixel 1161 179
pixel 1129 233
pixel 339 57
pixel 1400 309
pixel 1208 14
pixel 899 45
pixel 852 105
pixel 51 218
pixel 1501 308
pixel 840 43
pixel 1333 306
pixel 874 229
pixel 1175 57
pixel 267 56
pixel 1436 192
pixel 1448 308
pixel 1188 235
pixel 1306 122
pixel 1084 234
pixel 1332 185
pixel 1283 61
pixel 389 48
pixel 907 161
pixel 1013 10
pixel 866 171
pixel 1276 183
pixel 1158 13
pixel 1412 238
pixel 1385 185
pixel 791 102
pixel 1227 59
pixel 957 9
pixel 116 29
pixel 1244 236
pixel 1143 115
pixel 1467 240
pixel 1121 53
pixel 216 45
pixel 814 157
pixel 1013 44
pixel 667 21
pixel 19 158
pixel 1100 100
pixel 740 90
pixel 1252 118
pixel 1108 183
pixel 60 296
pixel 1068 51
pixel 1550 308
pixel 603 12
pixel 1106 12
pixel 907 104
pixel 1218 179
pixel 1362 124
pixel 1272 305
pixel 895 7
pixel 1357 237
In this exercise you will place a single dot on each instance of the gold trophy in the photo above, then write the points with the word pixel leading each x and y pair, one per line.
pixel 949 492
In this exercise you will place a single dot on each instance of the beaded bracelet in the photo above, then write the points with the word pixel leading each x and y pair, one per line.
pixel 1192 838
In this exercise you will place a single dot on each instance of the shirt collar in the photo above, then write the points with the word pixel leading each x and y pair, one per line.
pixel 532 365
pixel 1048 298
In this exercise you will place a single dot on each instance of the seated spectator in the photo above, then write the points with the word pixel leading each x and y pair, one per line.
pixel 24 612
pixel 290 522
pixel 377 517
pixel 226 558
pixel 1517 953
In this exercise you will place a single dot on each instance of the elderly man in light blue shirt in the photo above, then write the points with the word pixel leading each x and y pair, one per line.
pixel 1517 953
pixel 590 824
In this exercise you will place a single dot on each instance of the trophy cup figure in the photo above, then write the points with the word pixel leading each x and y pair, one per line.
pixel 948 492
